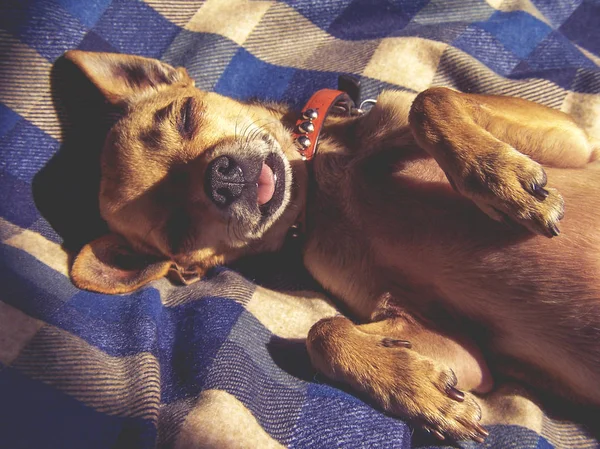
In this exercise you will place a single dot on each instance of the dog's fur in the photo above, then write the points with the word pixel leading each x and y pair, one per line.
pixel 395 230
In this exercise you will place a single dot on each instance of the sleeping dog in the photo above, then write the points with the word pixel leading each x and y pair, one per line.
pixel 429 217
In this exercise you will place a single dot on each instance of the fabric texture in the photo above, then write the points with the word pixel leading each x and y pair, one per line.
pixel 222 363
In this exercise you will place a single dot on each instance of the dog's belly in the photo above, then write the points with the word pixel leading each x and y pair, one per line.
pixel 539 297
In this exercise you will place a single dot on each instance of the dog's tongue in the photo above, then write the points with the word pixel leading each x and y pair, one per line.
pixel 266 185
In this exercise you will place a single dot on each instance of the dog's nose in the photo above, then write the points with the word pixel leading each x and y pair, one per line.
pixel 224 180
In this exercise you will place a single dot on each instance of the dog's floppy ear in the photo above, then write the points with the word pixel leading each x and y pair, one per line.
pixel 122 77
pixel 109 265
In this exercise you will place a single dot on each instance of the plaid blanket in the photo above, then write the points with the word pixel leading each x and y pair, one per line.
pixel 222 363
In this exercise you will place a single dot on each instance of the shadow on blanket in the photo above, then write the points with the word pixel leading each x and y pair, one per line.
pixel 65 191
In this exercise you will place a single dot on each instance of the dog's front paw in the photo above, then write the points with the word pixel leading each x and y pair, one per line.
pixel 427 395
pixel 509 186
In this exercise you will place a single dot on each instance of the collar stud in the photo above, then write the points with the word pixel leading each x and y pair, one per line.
pixel 304 142
pixel 309 124
pixel 310 114
pixel 306 127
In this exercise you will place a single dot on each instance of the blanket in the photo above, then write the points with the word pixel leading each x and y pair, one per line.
pixel 222 363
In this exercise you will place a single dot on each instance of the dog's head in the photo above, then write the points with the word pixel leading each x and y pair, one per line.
pixel 190 179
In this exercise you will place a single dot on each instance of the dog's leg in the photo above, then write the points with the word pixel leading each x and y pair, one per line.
pixel 379 361
pixel 487 146
pixel 547 136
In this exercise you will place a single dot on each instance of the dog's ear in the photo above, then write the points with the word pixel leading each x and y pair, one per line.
pixel 122 77
pixel 109 265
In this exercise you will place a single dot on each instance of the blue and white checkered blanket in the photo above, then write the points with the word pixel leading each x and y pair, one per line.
pixel 221 363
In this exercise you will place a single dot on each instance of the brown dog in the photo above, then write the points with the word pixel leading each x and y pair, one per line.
pixel 395 229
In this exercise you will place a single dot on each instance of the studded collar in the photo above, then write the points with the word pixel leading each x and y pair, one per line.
pixel 308 129
pixel 308 126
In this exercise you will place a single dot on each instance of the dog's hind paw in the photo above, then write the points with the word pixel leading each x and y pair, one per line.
pixel 455 422
pixel 436 406
pixel 396 378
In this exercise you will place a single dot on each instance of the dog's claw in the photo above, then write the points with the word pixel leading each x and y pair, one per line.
pixel 482 430
pixel 456 394
pixel 515 191
pixel 438 435
pixel 478 439
pixel 539 192
pixel 395 343
pixel 480 435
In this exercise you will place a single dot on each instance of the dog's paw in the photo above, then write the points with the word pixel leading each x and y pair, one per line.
pixel 426 395
pixel 510 187
pixel 452 415
pixel 396 378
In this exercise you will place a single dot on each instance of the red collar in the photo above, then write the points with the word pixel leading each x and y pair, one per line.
pixel 308 126
pixel 308 129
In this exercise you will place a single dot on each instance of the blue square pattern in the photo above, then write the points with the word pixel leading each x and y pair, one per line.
pixel 117 325
pixel 93 42
pixel 274 403
pixel 135 28
pixel 370 19
pixel 505 436
pixel 482 45
pixel 304 83
pixel 247 77
pixel 25 149
pixel 556 11
pixel 319 12
pixel 35 415
pixel 88 12
pixel 411 7
pixel 583 27
pixel 518 31
pixel 43 24
pixel 557 52
pixel 31 286
pixel 446 33
pixel 8 119
pixel 561 77
pixel 189 338
pixel 16 201
pixel 319 424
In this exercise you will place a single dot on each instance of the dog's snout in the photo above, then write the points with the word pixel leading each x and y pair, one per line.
pixel 224 180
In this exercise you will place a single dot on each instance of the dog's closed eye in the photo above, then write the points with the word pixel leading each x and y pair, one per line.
pixel 188 120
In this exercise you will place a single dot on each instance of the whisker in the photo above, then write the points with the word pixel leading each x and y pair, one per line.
pixel 251 134
pixel 237 119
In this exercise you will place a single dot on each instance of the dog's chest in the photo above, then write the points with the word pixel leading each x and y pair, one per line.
pixel 351 208
pixel 372 223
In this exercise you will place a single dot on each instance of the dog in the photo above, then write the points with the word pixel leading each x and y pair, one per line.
pixel 429 217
